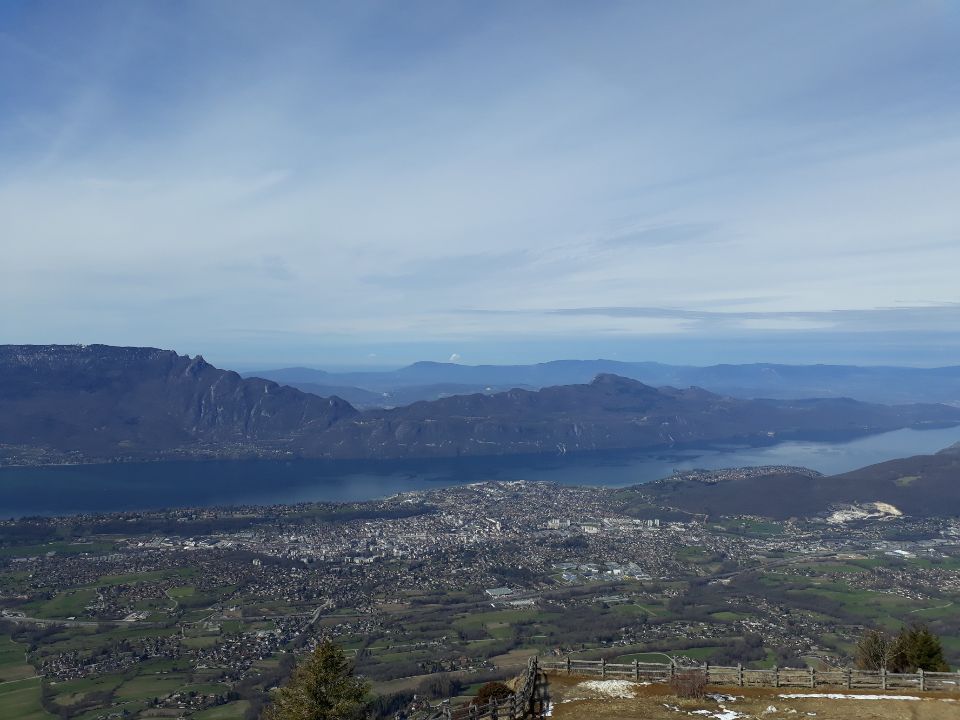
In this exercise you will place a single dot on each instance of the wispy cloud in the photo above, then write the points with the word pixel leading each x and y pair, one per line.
pixel 361 173
pixel 918 318
pixel 661 235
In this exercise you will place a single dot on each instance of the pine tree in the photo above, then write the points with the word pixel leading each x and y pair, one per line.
pixel 921 649
pixel 322 688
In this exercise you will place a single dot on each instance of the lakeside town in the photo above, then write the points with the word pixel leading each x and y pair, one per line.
pixel 436 589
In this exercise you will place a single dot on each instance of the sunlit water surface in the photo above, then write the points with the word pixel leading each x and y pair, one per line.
pixel 141 486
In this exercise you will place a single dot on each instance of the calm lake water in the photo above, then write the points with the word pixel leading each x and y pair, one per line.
pixel 141 486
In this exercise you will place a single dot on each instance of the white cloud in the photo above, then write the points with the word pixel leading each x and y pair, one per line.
pixel 322 180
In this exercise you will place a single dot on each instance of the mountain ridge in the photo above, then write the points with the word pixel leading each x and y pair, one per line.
pixel 102 403
pixel 886 384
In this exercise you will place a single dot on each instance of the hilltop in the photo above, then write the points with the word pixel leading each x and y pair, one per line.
pixel 922 486
pixel 624 700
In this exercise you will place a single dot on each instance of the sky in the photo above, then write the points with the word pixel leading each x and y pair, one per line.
pixel 342 184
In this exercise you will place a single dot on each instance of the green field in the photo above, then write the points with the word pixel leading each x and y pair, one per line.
pixel 12 663
pixel 183 591
pixel 231 711
pixel 760 528
pixel 153 576
pixel 701 653
pixel 145 686
pixel 21 701
pixel 71 603
pixel 641 657
pixel 60 548
pixel 494 617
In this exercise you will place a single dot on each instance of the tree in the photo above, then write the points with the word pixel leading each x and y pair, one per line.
pixel 877 650
pixel 920 649
pixel 913 648
pixel 322 688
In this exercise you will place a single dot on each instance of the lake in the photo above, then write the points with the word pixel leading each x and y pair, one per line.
pixel 140 486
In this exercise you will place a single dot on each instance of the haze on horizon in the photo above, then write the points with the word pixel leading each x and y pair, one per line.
pixel 376 183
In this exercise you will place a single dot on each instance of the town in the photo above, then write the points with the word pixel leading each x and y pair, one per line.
pixel 196 610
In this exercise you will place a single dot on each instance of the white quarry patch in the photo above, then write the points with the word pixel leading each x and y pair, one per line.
pixel 843 696
pixel 611 688
pixel 863 511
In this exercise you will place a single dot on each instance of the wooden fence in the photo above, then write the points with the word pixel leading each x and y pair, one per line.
pixel 744 677
pixel 527 701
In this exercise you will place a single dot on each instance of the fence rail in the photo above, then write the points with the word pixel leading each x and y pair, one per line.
pixel 746 677
pixel 530 697
pixel 526 701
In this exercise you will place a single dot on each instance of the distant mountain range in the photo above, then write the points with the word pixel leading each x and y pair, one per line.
pixel 100 403
pixel 432 380
pixel 921 486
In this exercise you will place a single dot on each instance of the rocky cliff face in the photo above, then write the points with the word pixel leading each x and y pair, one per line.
pixel 106 402
pixel 97 403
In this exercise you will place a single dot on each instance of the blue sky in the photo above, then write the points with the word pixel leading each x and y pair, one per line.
pixel 338 184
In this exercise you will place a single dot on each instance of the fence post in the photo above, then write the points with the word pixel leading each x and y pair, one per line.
pixel 706 671
pixel 776 676
pixel 849 678
pixel 883 678
pixel 446 709
pixel 740 674
pixel 673 668
pixel 603 667
pixel 923 682
pixel 636 670
pixel 531 707
pixel 568 664
pixel 813 678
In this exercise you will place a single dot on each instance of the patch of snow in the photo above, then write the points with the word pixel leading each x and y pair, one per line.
pixel 720 697
pixel 770 709
pixel 611 688
pixel 842 696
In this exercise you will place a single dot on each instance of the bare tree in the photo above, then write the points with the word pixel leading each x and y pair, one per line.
pixel 878 650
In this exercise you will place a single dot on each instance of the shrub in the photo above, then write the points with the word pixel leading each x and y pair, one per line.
pixel 491 691
pixel 689 684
